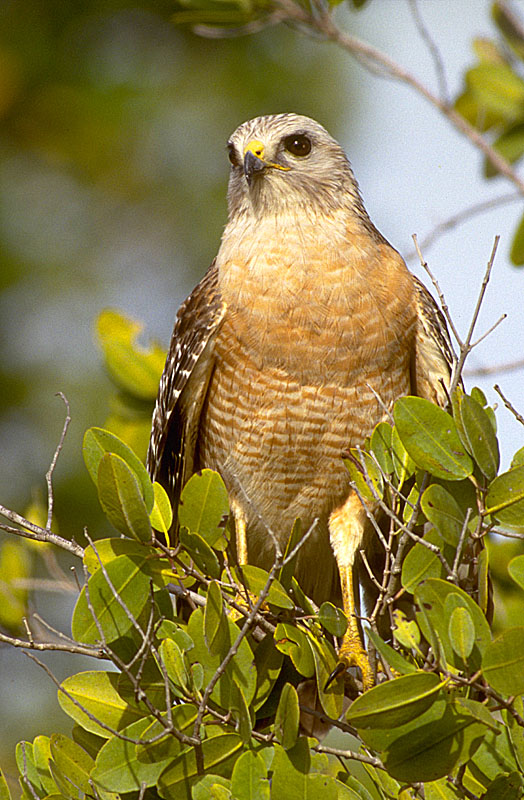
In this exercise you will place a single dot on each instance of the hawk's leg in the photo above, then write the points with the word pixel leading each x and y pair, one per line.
pixel 346 530
pixel 240 533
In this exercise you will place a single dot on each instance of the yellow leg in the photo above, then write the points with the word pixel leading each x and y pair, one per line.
pixel 240 533
pixel 346 529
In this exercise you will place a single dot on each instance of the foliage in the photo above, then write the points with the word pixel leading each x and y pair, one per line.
pixel 210 668
pixel 493 98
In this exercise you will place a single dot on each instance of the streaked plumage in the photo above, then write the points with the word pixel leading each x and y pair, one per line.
pixel 277 357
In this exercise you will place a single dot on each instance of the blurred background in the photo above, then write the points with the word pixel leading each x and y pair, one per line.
pixel 113 173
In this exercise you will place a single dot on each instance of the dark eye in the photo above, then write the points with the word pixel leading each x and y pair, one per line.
pixel 298 144
pixel 232 155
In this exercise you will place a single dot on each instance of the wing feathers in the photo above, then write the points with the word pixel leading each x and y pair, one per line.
pixel 183 386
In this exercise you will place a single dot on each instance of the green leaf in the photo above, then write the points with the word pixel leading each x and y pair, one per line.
pixel 517 246
pixel 293 778
pixel 431 438
pixel 505 787
pixel 403 464
pixel 381 446
pixel 117 768
pixel 421 562
pixel 268 662
pixel 441 508
pixel 97 693
pixel 130 585
pixel 240 671
pixel 395 702
pixel 249 778
pixel 206 788
pixel 185 766
pixel 165 749
pixel 518 459
pixel 161 516
pixel 481 440
pixel 510 145
pixel 106 550
pixel 200 552
pixel 436 600
pixel 27 767
pixel 332 698
pixel 287 717
pixel 293 642
pixel 121 498
pixel 503 662
pixel 215 620
pixel 173 660
pixel 332 619
pixel 515 731
pixel 505 498
pixel 98 442
pixel 41 756
pixel 395 660
pixel 255 579
pixel 15 568
pixel 72 760
pixel 365 474
pixel 204 506
pixel 134 368
pixel 432 750
pixel 498 89
pixel 406 631
pixel 5 794
pixel 516 570
pixel 461 632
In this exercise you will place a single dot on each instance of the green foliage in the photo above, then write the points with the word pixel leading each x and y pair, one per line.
pixel 493 99
pixel 207 696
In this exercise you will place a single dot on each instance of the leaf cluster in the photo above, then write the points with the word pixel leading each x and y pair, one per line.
pixel 213 666
pixel 493 98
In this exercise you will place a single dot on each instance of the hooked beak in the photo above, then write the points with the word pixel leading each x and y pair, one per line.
pixel 252 164
pixel 255 162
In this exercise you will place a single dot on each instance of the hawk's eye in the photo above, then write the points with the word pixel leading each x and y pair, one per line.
pixel 232 155
pixel 298 144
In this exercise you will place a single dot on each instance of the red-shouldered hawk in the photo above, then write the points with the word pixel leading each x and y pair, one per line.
pixel 283 357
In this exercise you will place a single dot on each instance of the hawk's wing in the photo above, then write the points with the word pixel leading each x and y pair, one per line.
pixel 183 386
pixel 433 358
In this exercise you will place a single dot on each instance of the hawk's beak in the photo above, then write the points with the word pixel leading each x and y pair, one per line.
pixel 253 160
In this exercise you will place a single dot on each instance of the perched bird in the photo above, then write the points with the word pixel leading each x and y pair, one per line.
pixel 306 326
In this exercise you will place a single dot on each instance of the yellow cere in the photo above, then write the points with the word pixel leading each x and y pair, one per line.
pixel 257 148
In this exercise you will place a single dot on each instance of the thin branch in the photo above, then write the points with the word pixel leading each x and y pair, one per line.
pixel 375 762
pixel 463 216
pixel 508 405
pixel 50 471
pixel 495 369
pixel 434 52
pixel 79 649
pixel 30 530
pixel 368 54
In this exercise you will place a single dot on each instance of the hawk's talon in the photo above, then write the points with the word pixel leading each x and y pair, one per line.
pixel 337 672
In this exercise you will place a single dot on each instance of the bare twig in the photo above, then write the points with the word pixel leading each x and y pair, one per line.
pixel 375 762
pixel 463 216
pixel 434 52
pixel 49 474
pixel 30 530
pixel 495 369
pixel 508 405
pixel 79 649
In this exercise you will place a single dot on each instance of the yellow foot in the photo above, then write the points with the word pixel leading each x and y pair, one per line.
pixel 352 654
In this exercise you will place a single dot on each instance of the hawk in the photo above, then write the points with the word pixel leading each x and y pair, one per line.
pixel 306 326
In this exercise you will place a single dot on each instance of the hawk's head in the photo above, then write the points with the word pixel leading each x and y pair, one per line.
pixel 286 160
